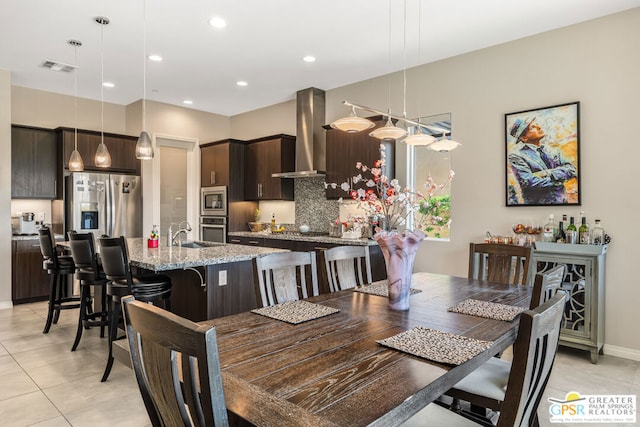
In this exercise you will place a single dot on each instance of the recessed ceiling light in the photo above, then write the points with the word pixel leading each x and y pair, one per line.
pixel 156 58
pixel 309 58
pixel 108 84
pixel 217 22
pixel 241 83
pixel 187 101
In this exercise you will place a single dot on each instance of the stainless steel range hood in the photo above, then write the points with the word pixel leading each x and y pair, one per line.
pixel 310 136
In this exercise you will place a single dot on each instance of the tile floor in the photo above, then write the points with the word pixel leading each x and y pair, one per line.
pixel 43 383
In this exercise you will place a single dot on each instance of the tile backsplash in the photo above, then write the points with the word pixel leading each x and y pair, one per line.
pixel 312 208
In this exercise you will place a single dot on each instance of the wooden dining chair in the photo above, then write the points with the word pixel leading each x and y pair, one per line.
pixel 534 353
pixel 282 277
pixel 507 264
pixel 344 266
pixel 546 284
pixel 177 367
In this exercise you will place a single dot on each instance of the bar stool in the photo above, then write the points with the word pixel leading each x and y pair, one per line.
pixel 151 288
pixel 59 268
pixel 89 273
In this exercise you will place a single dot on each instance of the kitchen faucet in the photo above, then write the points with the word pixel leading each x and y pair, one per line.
pixel 171 237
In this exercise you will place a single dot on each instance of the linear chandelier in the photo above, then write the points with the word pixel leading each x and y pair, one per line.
pixel 353 124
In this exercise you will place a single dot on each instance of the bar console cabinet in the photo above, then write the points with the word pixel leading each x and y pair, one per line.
pixel 584 284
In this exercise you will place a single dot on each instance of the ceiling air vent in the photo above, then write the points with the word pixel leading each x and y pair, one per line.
pixel 57 66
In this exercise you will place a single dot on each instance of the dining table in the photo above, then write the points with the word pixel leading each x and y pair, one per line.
pixel 334 371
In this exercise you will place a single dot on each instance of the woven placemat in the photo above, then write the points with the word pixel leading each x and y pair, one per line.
pixel 438 346
pixel 295 311
pixel 489 310
pixel 380 289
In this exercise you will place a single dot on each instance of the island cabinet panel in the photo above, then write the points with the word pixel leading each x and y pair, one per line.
pixel 34 166
pixel 237 295
pixel 344 150
pixel 29 281
pixel 188 295
pixel 122 149
pixel 266 156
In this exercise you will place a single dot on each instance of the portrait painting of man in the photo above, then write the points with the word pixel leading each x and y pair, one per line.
pixel 542 156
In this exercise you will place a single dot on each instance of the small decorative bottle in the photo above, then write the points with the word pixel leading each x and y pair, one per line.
pixel 153 237
pixel 549 231
pixel 597 234
pixel 572 232
pixel 273 222
pixel 561 237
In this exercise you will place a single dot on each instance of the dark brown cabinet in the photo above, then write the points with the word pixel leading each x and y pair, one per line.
pixel 29 281
pixel 266 156
pixel 214 164
pixel 34 166
pixel 344 150
pixel 122 149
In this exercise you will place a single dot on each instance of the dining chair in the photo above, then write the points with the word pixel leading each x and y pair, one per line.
pixel 90 274
pixel 344 267
pixel 177 366
pixel 507 264
pixel 149 288
pixel 546 284
pixel 59 267
pixel 534 353
pixel 282 277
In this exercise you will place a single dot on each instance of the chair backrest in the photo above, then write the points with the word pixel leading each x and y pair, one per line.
pixel 282 277
pixel 507 264
pixel 83 251
pixel 533 355
pixel 344 267
pixel 176 365
pixel 115 258
pixel 47 246
pixel 546 284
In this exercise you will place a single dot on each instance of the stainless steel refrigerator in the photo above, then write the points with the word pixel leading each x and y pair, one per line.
pixel 103 203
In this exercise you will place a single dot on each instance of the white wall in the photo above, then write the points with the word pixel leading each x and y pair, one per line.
pixel 5 189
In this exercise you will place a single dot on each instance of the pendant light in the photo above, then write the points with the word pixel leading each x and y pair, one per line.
pixel 443 144
pixel 102 158
pixel 144 148
pixel 75 160
pixel 419 138
pixel 352 123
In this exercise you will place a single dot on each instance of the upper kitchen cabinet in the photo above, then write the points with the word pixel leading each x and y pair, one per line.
pixel 121 147
pixel 34 166
pixel 344 150
pixel 222 163
pixel 266 156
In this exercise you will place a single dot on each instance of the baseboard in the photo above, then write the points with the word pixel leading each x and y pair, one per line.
pixel 625 353
pixel 5 304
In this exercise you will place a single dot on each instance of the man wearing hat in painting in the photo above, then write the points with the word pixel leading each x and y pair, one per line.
pixel 540 172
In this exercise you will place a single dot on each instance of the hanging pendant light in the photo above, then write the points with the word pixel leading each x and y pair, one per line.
pixel 144 148
pixel 443 144
pixel 352 123
pixel 102 158
pixel 75 160
pixel 419 138
pixel 388 131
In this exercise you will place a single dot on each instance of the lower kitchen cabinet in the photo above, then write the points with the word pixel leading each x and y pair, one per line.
pixel 29 281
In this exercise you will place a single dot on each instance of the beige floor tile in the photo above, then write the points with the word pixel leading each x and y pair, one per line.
pixel 40 340
pixel 21 329
pixel 3 351
pixel 8 365
pixel 86 368
pixel 126 410
pixel 16 384
pixel 27 410
pixel 53 422
pixel 48 354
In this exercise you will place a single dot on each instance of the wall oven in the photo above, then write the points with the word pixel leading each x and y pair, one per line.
pixel 213 229
pixel 213 201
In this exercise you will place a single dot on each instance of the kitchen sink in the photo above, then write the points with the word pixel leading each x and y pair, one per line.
pixel 199 244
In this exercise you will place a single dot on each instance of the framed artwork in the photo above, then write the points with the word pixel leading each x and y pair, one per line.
pixel 543 156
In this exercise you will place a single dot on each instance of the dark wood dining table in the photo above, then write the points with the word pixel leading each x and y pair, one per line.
pixel 331 371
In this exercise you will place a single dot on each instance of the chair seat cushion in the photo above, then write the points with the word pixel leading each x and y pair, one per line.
pixel 489 380
pixel 436 415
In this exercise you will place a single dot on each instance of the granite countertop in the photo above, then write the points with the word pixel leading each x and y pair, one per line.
pixel 34 237
pixel 323 238
pixel 166 257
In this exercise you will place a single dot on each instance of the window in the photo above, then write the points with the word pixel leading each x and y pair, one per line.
pixel 435 216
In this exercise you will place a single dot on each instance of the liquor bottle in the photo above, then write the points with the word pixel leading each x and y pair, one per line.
pixel 583 232
pixel 572 232
pixel 561 237
pixel 273 222
pixel 549 230
pixel 597 234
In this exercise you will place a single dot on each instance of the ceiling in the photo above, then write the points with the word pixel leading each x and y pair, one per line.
pixel 262 44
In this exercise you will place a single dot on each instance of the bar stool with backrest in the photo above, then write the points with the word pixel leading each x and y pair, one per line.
pixel 282 277
pixel 59 267
pixel 344 266
pixel 90 274
pixel 150 288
